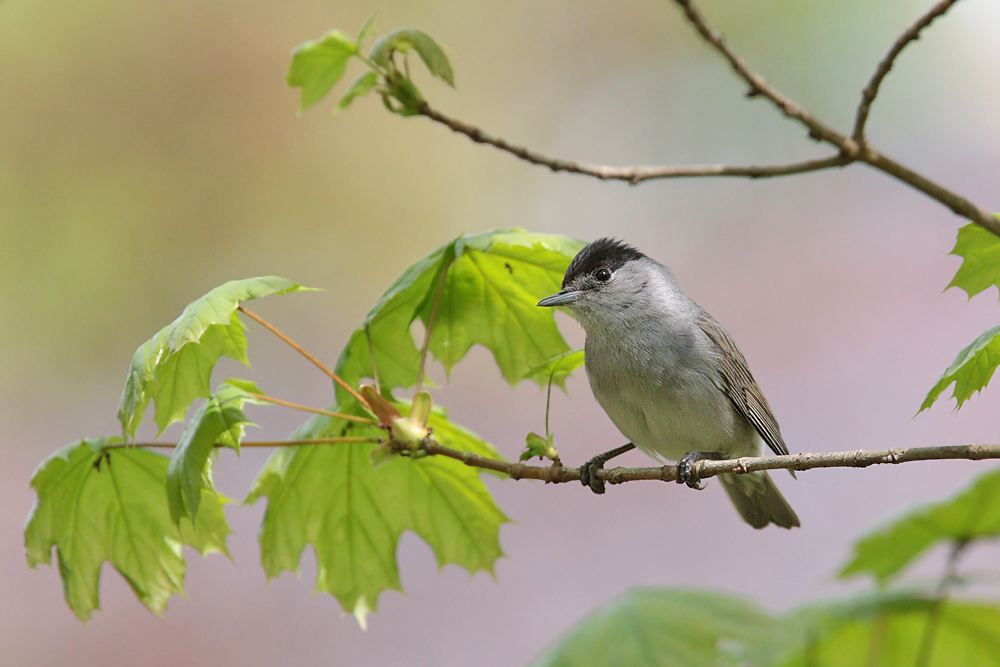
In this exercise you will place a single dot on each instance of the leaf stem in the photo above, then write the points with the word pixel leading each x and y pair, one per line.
pixel 937 607
pixel 548 402
pixel 258 443
pixel 303 408
pixel 298 348
pixel 430 325
pixel 371 354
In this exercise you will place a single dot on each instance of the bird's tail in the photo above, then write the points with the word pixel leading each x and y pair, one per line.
pixel 758 500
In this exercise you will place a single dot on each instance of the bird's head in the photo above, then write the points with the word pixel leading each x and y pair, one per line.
pixel 605 280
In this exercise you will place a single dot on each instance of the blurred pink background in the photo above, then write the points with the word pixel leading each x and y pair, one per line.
pixel 150 151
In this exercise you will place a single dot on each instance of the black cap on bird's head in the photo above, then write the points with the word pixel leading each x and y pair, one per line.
pixel 600 260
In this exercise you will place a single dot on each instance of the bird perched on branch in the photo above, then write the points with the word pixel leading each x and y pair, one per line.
pixel 669 376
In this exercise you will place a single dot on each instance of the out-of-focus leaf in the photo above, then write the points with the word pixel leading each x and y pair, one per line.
pixel 220 420
pixel 174 367
pixel 352 514
pixel 661 628
pixel 406 40
pixel 488 297
pixel 971 371
pixel 888 631
pixel 557 368
pixel 96 505
pixel 360 87
pixel 980 253
pixel 317 65
pixel 972 514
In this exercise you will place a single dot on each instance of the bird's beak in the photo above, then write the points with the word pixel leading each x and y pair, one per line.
pixel 560 299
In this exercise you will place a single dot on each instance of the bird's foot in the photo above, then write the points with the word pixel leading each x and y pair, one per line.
pixel 686 473
pixel 588 471
pixel 588 474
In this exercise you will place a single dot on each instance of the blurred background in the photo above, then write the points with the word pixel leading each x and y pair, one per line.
pixel 150 151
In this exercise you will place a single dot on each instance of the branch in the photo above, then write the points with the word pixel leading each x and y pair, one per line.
pixel 850 149
pixel 912 34
pixel 635 174
pixel 705 469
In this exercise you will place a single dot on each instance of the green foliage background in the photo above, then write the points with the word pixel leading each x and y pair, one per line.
pixel 153 153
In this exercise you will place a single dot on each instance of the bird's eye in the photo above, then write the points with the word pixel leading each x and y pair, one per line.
pixel 604 275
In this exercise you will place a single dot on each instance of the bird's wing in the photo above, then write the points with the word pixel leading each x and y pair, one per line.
pixel 740 387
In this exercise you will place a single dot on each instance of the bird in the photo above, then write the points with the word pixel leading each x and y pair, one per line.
pixel 672 380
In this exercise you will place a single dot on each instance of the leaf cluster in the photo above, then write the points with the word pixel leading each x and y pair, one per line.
pixel 886 626
pixel 318 65
pixel 477 289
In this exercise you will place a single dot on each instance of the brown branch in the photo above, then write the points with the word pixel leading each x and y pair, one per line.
pixel 634 174
pixel 298 348
pixel 760 87
pixel 912 34
pixel 740 466
pixel 850 149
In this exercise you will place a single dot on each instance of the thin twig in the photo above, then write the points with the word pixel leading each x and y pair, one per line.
pixel 298 348
pixel 256 443
pixel 706 468
pixel 912 34
pixel 303 408
pixel 430 326
pixel 760 87
pixel 635 174
pixel 850 150
pixel 937 607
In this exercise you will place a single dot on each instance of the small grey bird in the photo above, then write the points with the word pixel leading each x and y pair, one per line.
pixel 669 376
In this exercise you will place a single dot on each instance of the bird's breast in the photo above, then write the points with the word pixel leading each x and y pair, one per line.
pixel 665 400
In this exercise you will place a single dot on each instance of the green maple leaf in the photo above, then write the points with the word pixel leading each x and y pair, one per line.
pixel 980 253
pixel 971 371
pixel 352 514
pixel 972 514
pixel 488 297
pixel 174 367
pixel 96 505
pixel 661 627
pixel 220 420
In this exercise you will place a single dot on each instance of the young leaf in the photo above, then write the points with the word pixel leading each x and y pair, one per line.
pixel 971 371
pixel 220 420
pixel 405 40
pixel 557 368
pixel 97 505
pixel 174 367
pixel 661 627
pixel 367 28
pixel 972 514
pixel 360 87
pixel 318 65
pixel 980 253
pixel 536 445
pixel 353 514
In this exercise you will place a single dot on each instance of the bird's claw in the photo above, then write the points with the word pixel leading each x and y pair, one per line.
pixel 588 474
pixel 686 473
